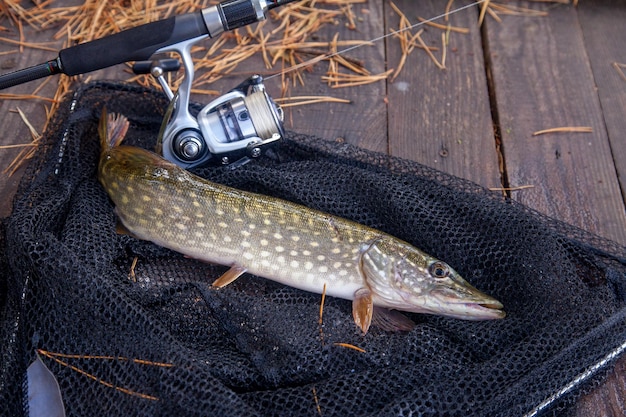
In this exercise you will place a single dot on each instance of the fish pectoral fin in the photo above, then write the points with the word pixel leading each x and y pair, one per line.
pixel 391 320
pixel 229 276
pixel 363 309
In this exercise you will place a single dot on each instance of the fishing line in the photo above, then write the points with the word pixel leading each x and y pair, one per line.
pixel 377 39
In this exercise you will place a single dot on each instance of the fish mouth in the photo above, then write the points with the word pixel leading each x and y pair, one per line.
pixel 467 305
pixel 490 310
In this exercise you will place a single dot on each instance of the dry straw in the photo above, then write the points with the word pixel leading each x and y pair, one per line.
pixel 287 43
pixel 565 129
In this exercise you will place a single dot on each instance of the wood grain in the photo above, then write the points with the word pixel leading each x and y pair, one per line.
pixel 364 121
pixel 14 130
pixel 603 24
pixel 441 118
pixel 542 79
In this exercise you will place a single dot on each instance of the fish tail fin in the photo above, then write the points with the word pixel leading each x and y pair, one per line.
pixel 112 129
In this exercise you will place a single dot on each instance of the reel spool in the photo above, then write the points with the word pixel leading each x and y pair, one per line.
pixel 236 123
pixel 236 126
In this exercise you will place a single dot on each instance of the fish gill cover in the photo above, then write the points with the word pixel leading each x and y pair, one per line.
pixel 129 328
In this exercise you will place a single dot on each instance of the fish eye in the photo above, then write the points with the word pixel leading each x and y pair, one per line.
pixel 439 269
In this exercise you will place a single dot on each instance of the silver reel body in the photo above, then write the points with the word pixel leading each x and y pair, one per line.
pixel 236 127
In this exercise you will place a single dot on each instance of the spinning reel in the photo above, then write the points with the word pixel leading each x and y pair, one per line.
pixel 234 128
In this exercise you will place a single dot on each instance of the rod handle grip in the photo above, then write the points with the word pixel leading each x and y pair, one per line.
pixel 135 44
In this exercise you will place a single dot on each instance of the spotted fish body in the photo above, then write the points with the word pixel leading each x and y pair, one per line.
pixel 279 240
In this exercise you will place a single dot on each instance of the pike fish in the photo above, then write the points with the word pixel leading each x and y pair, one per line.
pixel 158 201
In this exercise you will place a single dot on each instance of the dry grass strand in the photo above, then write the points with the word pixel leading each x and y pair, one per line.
pixel 565 129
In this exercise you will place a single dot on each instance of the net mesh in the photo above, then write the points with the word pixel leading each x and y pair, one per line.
pixel 160 341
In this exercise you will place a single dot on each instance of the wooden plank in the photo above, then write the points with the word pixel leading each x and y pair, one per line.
pixel 608 399
pixel 14 129
pixel 542 80
pixel 364 121
pixel 602 23
pixel 442 118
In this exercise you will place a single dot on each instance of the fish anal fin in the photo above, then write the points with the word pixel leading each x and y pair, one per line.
pixel 120 229
pixel 229 276
pixel 391 320
pixel 363 309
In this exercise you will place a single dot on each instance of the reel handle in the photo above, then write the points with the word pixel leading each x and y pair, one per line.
pixel 157 68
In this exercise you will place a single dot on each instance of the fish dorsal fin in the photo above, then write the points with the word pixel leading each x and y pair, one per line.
pixel 112 129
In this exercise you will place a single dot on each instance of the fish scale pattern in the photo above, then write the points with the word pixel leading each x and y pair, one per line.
pixel 74 286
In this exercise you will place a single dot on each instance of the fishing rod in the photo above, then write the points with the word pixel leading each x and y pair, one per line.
pixel 141 42
pixel 238 126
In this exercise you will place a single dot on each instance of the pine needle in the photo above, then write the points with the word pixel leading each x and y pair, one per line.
pixel 444 27
pixel 321 317
pixel 28 151
pixel 349 346
pixel 339 80
pixel 19 145
pixel 59 358
pixel 304 100
pixel 565 129
pixel 483 9
pixel 23 44
pixel 409 42
pixel 519 187
pixel 620 69
pixel 10 96
pixel 317 402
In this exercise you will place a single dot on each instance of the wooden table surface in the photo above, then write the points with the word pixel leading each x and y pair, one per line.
pixel 475 119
